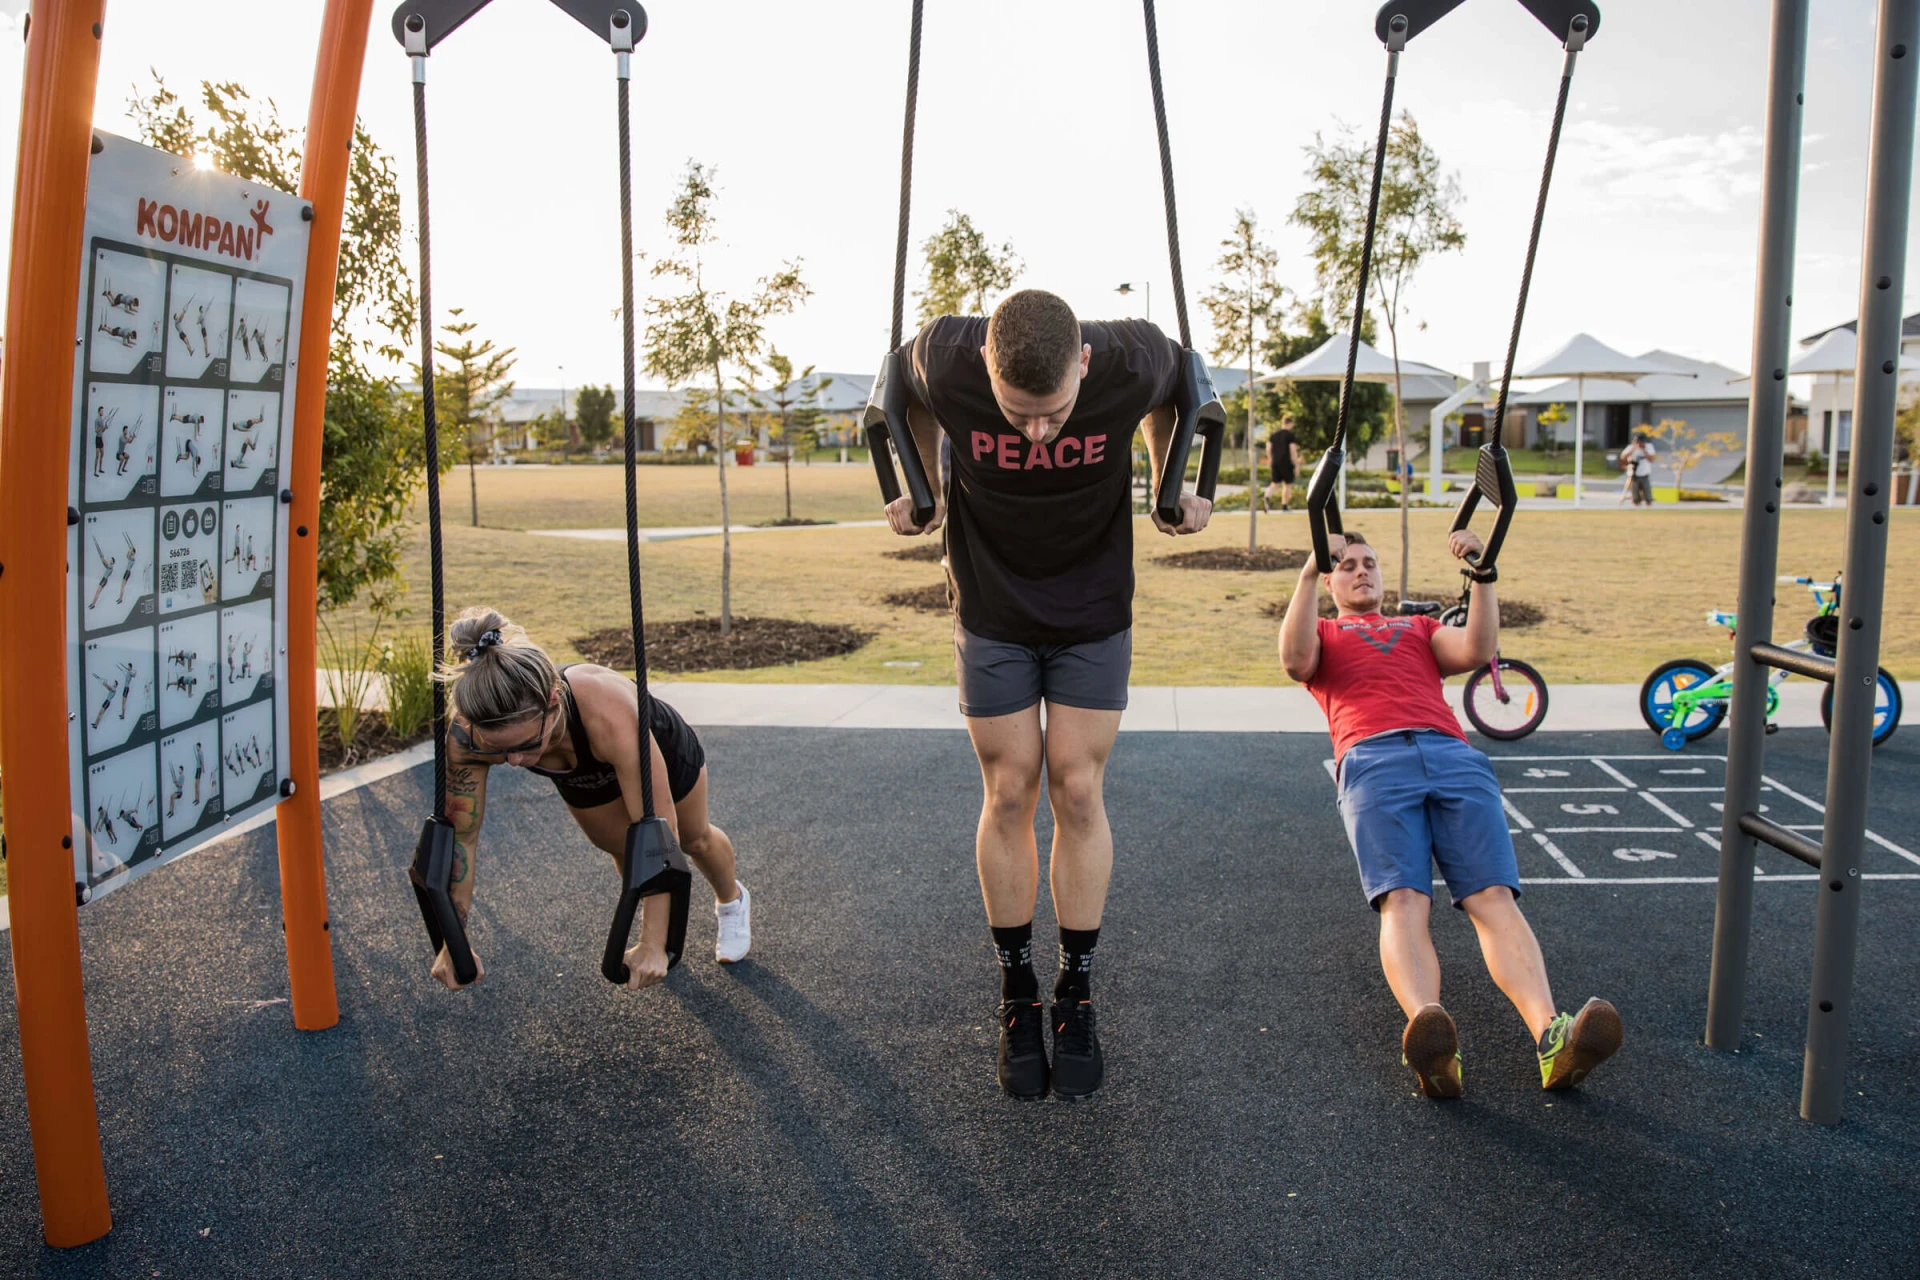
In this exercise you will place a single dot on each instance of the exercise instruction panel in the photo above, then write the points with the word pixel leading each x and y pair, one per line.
pixel 190 293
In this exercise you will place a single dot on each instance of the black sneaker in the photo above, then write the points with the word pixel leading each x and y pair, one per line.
pixel 1078 1067
pixel 1023 1050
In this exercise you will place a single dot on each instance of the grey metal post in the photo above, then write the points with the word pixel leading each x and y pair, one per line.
pixel 1876 387
pixel 1760 538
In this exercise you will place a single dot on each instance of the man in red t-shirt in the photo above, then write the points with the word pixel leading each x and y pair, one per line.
pixel 1414 793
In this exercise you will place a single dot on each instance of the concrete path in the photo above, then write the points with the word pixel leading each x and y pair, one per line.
pixel 673 533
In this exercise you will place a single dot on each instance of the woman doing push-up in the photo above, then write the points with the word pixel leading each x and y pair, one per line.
pixel 580 726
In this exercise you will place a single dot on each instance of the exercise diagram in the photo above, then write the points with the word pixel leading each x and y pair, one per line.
pixel 198 328
pixel 126 311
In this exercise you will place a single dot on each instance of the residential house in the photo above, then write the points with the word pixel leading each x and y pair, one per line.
pixel 1830 405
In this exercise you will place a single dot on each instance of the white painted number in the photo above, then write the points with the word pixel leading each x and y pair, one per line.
pixel 1641 855
pixel 1546 773
pixel 1588 810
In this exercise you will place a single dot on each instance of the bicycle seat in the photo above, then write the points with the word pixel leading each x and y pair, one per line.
pixel 1419 608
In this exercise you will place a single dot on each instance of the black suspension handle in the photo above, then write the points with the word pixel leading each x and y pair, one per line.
pixel 432 876
pixel 438 19
pixel 652 865
pixel 890 434
pixel 1492 481
pixel 1323 507
pixel 1198 411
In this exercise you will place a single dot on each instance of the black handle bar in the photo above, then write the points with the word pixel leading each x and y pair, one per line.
pixel 1198 411
pixel 1323 507
pixel 652 865
pixel 432 876
pixel 1557 16
pixel 435 20
pixel 889 434
pixel 1493 481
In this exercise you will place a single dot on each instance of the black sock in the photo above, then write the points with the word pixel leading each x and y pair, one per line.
pixel 1076 960
pixel 1014 947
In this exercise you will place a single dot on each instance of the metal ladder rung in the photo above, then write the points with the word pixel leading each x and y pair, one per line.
pixel 1798 661
pixel 1791 843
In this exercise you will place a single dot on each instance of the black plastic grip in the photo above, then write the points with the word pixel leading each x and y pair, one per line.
pixel 1493 481
pixel 653 864
pixel 432 876
pixel 1323 507
pixel 889 435
pixel 1197 411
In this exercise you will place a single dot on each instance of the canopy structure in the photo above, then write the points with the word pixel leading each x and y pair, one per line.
pixel 1836 353
pixel 1581 357
pixel 1328 363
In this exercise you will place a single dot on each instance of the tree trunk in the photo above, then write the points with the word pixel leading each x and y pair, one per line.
pixel 1400 436
pixel 473 486
pixel 1255 494
pixel 726 524
pixel 786 462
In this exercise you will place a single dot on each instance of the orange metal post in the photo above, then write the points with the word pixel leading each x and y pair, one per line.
pixel 323 182
pixel 36 413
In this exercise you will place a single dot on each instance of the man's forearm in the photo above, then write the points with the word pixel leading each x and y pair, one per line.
pixel 1157 428
pixel 1300 630
pixel 926 436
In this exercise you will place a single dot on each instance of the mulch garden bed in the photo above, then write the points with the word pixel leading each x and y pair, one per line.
pixel 1265 559
pixel 371 740
pixel 924 553
pixel 1514 614
pixel 695 644
pixel 783 522
pixel 931 598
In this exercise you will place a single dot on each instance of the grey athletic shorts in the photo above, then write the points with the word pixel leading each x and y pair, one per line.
pixel 998 678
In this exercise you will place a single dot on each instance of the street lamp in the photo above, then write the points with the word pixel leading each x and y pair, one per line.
pixel 563 407
pixel 1147 288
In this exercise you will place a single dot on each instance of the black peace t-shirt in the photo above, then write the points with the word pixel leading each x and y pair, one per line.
pixel 1040 536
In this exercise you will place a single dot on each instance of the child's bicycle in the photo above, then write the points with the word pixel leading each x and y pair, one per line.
pixel 1686 699
pixel 1506 699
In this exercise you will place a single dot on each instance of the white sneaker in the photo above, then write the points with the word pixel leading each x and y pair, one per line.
pixel 735 933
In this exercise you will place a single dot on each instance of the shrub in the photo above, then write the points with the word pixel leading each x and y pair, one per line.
pixel 408 668
pixel 347 668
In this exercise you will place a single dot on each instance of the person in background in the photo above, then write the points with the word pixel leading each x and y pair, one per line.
pixel 1283 459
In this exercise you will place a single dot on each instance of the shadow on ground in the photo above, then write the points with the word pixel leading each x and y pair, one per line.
pixel 828 1107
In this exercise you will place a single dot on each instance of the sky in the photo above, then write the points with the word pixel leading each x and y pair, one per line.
pixel 1035 119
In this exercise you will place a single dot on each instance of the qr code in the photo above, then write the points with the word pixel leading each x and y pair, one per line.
pixel 179 575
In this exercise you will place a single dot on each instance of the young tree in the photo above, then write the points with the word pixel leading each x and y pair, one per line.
pixel 1552 417
pixel 1248 299
pixel 699 332
pixel 374 456
pixel 468 391
pixel 795 403
pixel 964 270
pixel 1416 220
pixel 593 414
pixel 1687 448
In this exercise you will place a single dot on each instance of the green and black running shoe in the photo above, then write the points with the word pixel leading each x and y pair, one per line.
pixel 1574 1044
pixel 1431 1046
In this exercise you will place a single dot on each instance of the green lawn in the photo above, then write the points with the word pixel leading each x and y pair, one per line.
pixel 593 497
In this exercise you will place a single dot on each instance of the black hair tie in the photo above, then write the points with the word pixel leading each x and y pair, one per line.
pixel 487 640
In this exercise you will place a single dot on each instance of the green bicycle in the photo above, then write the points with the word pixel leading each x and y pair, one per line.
pixel 1685 699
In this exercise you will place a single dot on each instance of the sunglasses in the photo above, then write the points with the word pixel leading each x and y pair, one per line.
pixel 464 738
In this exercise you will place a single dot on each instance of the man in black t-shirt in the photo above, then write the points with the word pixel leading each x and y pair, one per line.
pixel 1040 411
pixel 1283 460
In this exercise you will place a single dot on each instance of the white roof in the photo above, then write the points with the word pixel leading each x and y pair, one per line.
pixel 1328 363
pixel 1691 382
pixel 1837 351
pixel 1586 356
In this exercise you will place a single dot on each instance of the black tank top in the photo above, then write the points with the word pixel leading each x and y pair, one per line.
pixel 591 781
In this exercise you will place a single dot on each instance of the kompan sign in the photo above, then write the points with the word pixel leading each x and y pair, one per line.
pixel 190 294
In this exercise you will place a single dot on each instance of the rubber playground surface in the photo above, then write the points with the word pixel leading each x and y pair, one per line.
pixel 828 1107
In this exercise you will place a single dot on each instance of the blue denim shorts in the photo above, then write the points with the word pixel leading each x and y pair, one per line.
pixel 1412 799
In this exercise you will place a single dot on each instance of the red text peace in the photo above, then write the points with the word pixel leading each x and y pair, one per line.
pixel 1017 453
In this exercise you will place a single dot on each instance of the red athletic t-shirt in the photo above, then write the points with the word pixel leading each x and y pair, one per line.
pixel 1377 675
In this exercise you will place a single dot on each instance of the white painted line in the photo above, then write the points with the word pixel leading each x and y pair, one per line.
pixel 1790 793
pixel 3 915
pixel 1611 772
pixel 1817 807
pixel 1712 791
pixel 1576 831
pixel 1682 771
pixel 1554 851
pixel 1709 837
pixel 1333 771
pixel 1566 791
pixel 1890 875
pixel 1891 847
pixel 1516 815
pixel 1663 807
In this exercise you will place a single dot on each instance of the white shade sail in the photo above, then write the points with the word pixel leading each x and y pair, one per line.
pixel 1328 363
pixel 1584 356
pixel 1836 352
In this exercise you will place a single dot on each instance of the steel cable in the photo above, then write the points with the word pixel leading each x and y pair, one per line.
pixel 431 435
pixel 1366 257
pixel 1166 175
pixel 906 181
pixel 632 443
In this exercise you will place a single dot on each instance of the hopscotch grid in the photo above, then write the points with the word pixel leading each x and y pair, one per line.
pixel 1574 875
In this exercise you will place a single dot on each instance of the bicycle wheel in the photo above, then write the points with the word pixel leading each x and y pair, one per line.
pixel 1669 678
pixel 1510 709
pixel 1887 705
